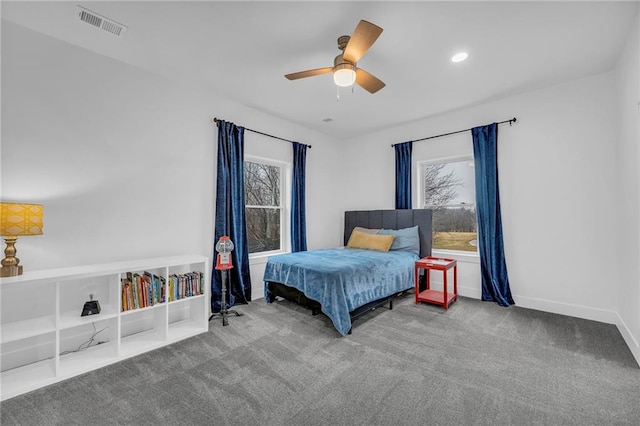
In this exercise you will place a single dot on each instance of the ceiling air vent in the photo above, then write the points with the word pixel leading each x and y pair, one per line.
pixel 99 21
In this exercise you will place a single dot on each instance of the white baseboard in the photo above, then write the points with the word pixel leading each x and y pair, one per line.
pixel 471 292
pixel 578 311
pixel 257 293
pixel 629 339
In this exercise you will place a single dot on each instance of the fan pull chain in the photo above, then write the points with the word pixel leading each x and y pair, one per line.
pixel 337 93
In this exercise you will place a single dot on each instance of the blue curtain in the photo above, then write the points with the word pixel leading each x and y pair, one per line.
pixel 403 175
pixel 495 282
pixel 298 212
pixel 230 216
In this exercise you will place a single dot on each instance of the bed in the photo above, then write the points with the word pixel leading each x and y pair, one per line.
pixel 346 283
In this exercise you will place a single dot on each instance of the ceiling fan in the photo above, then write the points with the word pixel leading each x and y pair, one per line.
pixel 345 71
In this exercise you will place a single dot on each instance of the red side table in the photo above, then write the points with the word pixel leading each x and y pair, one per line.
pixel 442 298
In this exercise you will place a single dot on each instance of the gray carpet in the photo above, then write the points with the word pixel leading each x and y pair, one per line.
pixel 476 363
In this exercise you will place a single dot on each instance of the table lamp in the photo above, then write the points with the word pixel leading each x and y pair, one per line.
pixel 17 220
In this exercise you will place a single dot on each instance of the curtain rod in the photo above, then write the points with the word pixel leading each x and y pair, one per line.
pixel 215 120
pixel 513 120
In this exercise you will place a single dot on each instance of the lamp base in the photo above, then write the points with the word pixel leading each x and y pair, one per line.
pixel 11 271
pixel 92 307
pixel 11 266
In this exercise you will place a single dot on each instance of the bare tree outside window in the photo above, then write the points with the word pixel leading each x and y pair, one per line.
pixel 440 185
pixel 449 190
pixel 263 206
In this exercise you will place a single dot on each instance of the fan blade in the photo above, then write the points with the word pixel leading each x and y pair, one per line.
pixel 308 73
pixel 368 82
pixel 361 40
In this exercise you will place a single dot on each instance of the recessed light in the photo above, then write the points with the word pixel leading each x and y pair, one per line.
pixel 459 57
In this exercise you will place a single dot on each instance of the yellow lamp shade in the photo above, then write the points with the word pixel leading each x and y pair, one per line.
pixel 20 219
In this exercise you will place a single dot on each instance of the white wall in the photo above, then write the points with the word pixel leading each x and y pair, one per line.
pixel 123 160
pixel 557 174
pixel 627 209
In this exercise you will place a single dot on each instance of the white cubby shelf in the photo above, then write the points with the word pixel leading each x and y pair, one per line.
pixel 44 339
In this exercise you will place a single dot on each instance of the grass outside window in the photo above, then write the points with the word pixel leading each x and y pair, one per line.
pixel 462 241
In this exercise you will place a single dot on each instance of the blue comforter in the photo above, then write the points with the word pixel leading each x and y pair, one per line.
pixel 342 279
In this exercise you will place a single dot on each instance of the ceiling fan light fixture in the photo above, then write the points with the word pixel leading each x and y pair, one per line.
pixel 344 75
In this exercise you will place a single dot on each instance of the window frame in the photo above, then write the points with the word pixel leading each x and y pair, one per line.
pixel 471 255
pixel 285 203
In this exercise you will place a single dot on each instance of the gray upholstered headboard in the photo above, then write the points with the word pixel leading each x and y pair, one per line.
pixel 392 219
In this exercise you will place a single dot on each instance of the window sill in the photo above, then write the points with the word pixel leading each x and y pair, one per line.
pixel 262 258
pixel 460 256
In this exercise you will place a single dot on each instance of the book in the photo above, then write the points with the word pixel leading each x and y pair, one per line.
pixel 179 286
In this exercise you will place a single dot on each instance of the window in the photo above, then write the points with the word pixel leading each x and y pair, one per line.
pixel 448 188
pixel 264 210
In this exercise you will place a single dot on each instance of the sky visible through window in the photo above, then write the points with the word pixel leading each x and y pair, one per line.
pixel 465 172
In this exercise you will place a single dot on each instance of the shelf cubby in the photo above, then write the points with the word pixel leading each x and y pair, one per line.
pixel 186 315
pixel 27 310
pixel 44 338
pixel 150 319
pixel 92 343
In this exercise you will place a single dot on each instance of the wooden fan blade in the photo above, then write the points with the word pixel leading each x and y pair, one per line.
pixel 308 73
pixel 368 82
pixel 361 40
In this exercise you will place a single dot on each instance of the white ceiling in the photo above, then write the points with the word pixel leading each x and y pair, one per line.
pixel 243 49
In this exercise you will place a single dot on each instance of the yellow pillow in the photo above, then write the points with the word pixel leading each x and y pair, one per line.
pixel 362 240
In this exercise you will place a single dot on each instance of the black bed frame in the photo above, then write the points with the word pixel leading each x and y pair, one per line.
pixel 375 219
